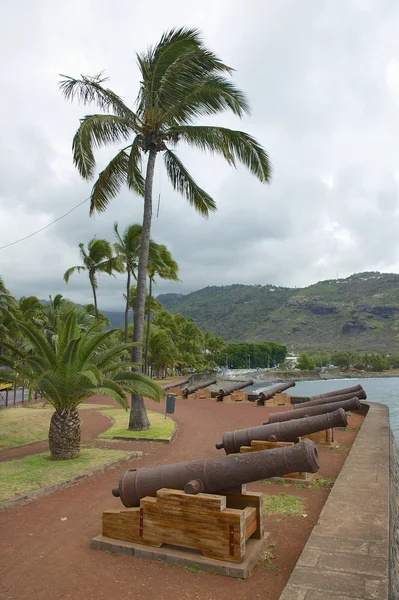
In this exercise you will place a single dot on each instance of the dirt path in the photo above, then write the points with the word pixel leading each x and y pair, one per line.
pixel 44 558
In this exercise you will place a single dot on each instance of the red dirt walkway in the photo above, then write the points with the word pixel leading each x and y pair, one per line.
pixel 44 558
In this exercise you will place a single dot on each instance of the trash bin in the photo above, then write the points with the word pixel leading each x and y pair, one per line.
pixel 170 403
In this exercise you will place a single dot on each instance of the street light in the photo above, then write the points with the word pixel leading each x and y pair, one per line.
pixel 227 364
pixel 249 361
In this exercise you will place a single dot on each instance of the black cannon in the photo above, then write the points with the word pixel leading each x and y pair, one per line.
pixel 216 475
pixel 277 389
pixel 232 386
pixel 361 395
pixel 288 431
pixel 310 411
pixel 353 391
pixel 198 386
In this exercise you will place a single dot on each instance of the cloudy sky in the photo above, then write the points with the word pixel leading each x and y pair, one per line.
pixel 322 77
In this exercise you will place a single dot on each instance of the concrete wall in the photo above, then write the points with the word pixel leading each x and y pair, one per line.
pixel 394 521
pixel 352 552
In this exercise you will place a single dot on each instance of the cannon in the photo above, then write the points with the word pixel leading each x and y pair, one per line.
pixel 288 431
pixel 361 395
pixel 176 384
pixel 216 474
pixel 353 391
pixel 310 411
pixel 232 387
pixel 199 386
pixel 267 394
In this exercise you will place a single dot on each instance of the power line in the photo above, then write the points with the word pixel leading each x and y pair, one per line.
pixel 45 227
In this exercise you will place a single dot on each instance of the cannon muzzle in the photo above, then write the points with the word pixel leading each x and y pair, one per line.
pixel 267 394
pixel 310 411
pixel 350 392
pixel 217 474
pixel 288 431
pixel 232 386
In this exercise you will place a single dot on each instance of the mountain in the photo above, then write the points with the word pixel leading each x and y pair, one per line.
pixel 360 313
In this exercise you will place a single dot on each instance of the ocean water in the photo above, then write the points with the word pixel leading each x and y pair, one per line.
pixel 378 389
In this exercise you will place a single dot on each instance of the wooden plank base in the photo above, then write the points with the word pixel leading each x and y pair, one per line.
pixel 218 526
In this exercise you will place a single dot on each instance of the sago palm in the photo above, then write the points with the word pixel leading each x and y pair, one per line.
pixel 77 367
pixel 98 258
pixel 180 80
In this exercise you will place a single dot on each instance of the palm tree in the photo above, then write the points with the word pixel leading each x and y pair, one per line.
pixel 80 365
pixel 128 248
pixel 98 258
pixel 180 80
pixel 162 264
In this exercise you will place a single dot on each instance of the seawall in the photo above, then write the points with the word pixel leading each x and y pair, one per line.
pixel 353 550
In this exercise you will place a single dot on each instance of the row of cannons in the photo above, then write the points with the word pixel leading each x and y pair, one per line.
pixel 203 504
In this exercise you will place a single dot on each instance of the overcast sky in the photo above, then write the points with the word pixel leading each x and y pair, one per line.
pixel 322 78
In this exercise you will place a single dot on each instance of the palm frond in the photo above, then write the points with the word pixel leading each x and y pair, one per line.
pixel 109 182
pixel 90 89
pixel 135 180
pixel 185 184
pixel 96 131
pixel 232 145
pixel 211 95
pixel 72 270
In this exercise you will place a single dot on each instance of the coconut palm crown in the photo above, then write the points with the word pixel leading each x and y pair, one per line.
pixel 80 365
pixel 180 81
pixel 98 258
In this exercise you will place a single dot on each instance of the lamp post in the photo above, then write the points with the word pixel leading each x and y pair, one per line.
pixel 249 361
pixel 227 364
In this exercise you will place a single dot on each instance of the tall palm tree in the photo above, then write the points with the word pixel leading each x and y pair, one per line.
pixel 163 265
pixel 98 258
pixel 80 365
pixel 180 80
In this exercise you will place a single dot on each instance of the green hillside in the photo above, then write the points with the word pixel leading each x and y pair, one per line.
pixel 360 313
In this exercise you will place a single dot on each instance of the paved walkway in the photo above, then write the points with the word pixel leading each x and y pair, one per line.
pixel 347 554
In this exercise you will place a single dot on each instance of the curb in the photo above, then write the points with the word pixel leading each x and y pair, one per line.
pixel 140 439
pixel 6 504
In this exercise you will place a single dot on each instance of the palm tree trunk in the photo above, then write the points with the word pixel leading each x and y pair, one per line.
pixel 64 435
pixel 147 341
pixel 93 287
pixel 127 305
pixel 138 419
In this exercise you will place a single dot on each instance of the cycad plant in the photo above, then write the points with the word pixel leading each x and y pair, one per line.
pixel 78 366
pixel 180 81
pixel 98 258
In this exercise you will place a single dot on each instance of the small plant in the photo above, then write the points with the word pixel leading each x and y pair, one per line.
pixel 344 448
pixel 272 545
pixel 267 559
pixel 194 569
pixel 276 482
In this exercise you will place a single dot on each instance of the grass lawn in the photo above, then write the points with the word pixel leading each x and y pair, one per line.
pixel 283 504
pixel 161 428
pixel 22 425
pixel 28 474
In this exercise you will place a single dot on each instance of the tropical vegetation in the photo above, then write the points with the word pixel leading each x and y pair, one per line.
pixel 69 369
pixel 180 80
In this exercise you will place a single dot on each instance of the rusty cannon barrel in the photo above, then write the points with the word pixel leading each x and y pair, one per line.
pixel 199 386
pixel 361 395
pixel 350 390
pixel 310 411
pixel 216 474
pixel 267 394
pixel 288 431
pixel 232 386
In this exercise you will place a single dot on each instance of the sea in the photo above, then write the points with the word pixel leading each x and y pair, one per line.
pixel 378 389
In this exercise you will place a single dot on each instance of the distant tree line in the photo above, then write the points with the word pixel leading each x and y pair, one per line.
pixel 346 359
pixel 248 356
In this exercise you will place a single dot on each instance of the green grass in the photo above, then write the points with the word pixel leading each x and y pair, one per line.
pixel 161 428
pixel 23 425
pixel 283 504
pixel 31 473
pixel 318 482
